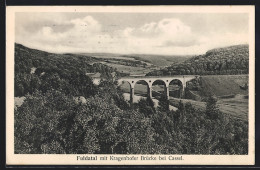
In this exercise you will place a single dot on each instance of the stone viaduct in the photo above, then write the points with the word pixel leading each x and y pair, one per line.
pixel 151 79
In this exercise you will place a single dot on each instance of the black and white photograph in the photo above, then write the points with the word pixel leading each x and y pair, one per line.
pixel 130 85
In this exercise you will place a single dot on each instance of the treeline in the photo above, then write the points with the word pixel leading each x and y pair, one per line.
pixel 51 121
pixel 221 61
pixel 43 71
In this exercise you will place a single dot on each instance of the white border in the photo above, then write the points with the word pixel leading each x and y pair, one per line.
pixel 62 159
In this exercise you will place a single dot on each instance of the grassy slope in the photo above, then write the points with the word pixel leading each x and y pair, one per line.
pixel 225 85
pixel 222 85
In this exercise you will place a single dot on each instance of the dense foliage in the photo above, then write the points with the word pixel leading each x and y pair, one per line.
pixel 51 120
pixel 229 60
pixel 54 123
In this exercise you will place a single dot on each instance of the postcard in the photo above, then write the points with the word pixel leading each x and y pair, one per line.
pixel 130 85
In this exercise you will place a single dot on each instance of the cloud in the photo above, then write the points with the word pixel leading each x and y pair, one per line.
pixel 82 32
pixel 165 31
pixel 161 37
pixel 172 36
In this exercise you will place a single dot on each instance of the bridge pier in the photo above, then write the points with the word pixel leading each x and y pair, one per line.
pixel 149 91
pixel 132 92
pixel 183 91
pixel 166 92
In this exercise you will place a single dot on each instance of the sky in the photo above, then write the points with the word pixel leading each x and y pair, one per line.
pixel 131 33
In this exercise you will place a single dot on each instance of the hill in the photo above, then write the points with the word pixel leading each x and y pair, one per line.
pixel 223 85
pixel 228 60
pixel 35 69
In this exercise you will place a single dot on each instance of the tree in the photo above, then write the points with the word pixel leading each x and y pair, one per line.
pixel 163 104
pixel 212 110
pixel 146 106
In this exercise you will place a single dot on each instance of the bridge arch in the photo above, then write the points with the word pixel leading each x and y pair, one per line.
pixel 176 87
pixel 142 88
pixel 126 87
pixel 123 83
pixel 159 87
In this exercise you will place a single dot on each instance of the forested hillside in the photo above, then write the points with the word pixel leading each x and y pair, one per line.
pixel 51 121
pixel 40 70
pixel 229 60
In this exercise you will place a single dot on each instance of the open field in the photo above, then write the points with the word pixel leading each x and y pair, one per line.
pixel 152 62
pixel 157 60
pixel 129 69
pixel 161 60
pixel 124 64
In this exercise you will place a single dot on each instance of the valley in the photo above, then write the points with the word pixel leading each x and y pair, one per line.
pixel 136 64
pixel 232 98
